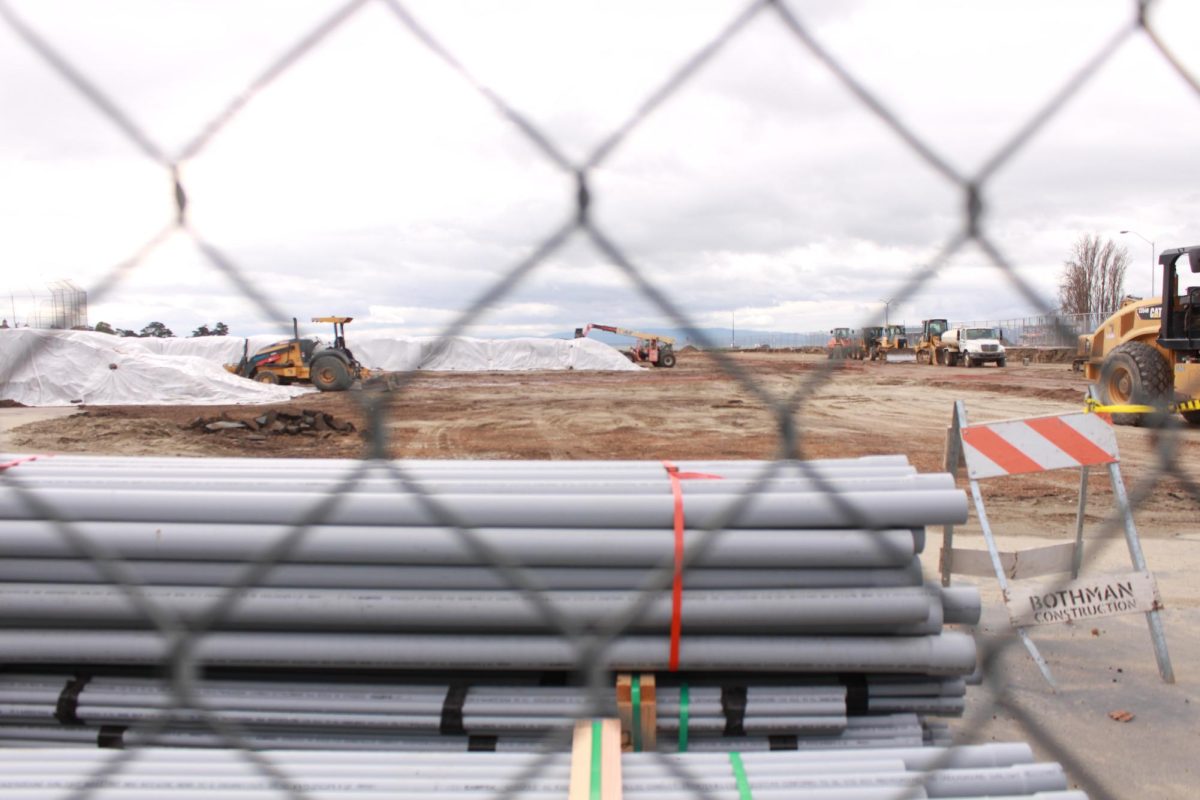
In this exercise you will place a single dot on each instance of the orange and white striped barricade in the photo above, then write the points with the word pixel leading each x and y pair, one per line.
pixel 1041 444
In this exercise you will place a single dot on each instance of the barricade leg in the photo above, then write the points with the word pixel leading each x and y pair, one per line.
pixel 994 552
pixel 1077 557
pixel 951 461
pixel 947 553
pixel 1157 634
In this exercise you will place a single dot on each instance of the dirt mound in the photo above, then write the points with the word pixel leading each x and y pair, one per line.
pixel 1042 355
pixel 275 423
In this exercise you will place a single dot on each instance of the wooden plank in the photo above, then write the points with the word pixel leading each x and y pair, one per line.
pixel 1030 563
pixel 581 761
pixel 1086 598
pixel 582 750
pixel 611 788
pixel 649 713
pixel 624 688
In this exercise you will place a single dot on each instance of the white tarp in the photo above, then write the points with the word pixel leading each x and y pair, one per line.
pixel 59 368
pixel 49 368
pixel 464 354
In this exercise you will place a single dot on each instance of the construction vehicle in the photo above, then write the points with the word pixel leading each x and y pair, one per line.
pixel 868 342
pixel 1148 352
pixel 893 345
pixel 929 349
pixel 973 347
pixel 651 348
pixel 840 344
pixel 331 369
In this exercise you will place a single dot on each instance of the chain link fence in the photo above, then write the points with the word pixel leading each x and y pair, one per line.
pixel 972 229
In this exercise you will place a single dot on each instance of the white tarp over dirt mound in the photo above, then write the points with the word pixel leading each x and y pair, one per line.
pixel 59 368
pixel 49 368
pixel 463 354
pixel 401 354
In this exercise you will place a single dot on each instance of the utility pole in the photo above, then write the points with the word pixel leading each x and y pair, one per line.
pixel 1153 266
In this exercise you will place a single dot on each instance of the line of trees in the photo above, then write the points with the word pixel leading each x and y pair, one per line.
pixel 160 331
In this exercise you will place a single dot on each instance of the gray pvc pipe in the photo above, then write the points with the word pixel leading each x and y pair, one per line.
pixel 432 576
pixel 704 611
pixel 705 770
pixel 42 694
pixel 945 654
pixel 995 754
pixel 566 547
pixel 944 706
pixel 216 482
pixel 800 510
pixel 961 605
pixel 1017 780
pixel 914 685
pixel 633 467
pixel 556 768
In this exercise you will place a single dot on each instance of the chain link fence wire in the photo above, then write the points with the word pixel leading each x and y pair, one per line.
pixel 789 411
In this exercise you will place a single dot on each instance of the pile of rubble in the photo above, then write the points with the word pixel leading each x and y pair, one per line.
pixel 275 423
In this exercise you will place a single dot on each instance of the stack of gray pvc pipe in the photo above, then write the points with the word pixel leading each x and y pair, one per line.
pixel 816 575
pixel 802 580
pixel 997 771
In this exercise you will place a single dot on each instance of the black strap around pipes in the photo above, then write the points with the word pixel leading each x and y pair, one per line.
pixel 68 701
pixel 857 696
pixel 452 710
pixel 733 706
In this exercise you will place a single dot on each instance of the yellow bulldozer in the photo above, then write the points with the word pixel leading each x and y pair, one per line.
pixel 1148 353
pixel 330 368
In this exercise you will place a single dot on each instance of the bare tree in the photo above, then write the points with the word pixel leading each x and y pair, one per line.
pixel 1094 276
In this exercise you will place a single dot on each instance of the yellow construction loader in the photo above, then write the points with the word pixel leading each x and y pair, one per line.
pixel 1148 352
pixel 331 369
pixel 929 349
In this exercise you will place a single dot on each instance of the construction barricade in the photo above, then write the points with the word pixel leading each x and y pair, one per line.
pixel 1041 444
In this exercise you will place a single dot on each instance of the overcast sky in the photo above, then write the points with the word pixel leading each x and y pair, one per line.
pixel 371 180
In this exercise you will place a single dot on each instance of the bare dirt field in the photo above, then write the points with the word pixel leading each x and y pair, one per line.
pixel 698 411
pixel 694 411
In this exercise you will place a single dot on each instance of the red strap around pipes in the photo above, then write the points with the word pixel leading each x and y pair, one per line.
pixel 677 582
pixel 19 460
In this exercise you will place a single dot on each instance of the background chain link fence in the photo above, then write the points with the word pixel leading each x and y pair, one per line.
pixel 788 411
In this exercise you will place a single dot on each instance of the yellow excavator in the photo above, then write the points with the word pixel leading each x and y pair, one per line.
pixel 1148 352
pixel 331 369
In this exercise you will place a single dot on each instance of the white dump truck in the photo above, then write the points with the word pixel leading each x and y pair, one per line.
pixel 973 347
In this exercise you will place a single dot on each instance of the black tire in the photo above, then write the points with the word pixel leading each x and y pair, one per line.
pixel 968 362
pixel 666 360
pixel 1002 362
pixel 1134 374
pixel 266 377
pixel 330 374
pixel 1192 417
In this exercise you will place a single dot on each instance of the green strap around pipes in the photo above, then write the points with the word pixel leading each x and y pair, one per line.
pixel 597 759
pixel 683 717
pixel 635 698
pixel 739 774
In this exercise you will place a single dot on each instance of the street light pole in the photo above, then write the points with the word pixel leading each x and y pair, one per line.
pixel 886 304
pixel 1153 266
